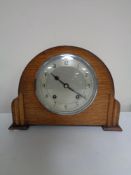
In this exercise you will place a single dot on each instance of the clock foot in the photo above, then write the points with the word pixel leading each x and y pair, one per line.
pixel 18 127
pixel 113 128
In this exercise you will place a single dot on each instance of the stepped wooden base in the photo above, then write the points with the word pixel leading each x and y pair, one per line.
pixel 115 128
pixel 16 127
pixel 25 127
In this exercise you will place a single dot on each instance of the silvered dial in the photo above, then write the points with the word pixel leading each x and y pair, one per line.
pixel 66 84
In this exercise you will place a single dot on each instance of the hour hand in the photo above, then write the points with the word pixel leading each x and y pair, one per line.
pixel 57 79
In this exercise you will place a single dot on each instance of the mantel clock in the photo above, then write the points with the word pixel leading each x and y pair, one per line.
pixel 66 85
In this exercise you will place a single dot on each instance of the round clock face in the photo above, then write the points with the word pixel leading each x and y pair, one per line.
pixel 66 84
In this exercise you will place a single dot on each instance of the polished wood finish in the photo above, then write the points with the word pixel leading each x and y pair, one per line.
pixel 104 111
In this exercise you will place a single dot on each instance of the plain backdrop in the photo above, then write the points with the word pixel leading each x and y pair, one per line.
pixel 27 27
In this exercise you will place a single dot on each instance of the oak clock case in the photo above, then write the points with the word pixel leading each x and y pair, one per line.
pixel 66 85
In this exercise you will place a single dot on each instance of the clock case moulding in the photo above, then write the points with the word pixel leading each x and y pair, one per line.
pixel 104 110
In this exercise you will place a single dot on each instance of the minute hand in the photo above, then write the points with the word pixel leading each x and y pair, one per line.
pixel 76 92
pixel 66 85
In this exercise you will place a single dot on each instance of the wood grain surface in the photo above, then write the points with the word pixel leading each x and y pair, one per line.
pixel 104 111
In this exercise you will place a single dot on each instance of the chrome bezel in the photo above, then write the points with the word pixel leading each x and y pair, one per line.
pixel 80 59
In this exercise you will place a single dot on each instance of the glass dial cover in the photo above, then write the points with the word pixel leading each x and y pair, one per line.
pixel 66 84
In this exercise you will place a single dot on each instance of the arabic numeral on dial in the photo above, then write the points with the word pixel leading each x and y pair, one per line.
pixel 78 65
pixel 89 85
pixel 46 95
pixel 65 106
pixel 86 74
pixel 43 85
pixel 77 103
pixel 54 105
pixel 54 66
pixel 66 62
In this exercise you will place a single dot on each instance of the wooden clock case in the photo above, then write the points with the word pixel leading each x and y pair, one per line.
pixel 104 111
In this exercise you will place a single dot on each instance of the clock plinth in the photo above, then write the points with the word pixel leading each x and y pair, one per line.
pixel 114 128
pixel 103 110
pixel 18 127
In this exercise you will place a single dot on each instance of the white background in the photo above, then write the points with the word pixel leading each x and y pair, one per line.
pixel 28 27
pixel 65 150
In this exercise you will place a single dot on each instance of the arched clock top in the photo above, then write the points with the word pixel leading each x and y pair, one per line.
pixel 103 74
